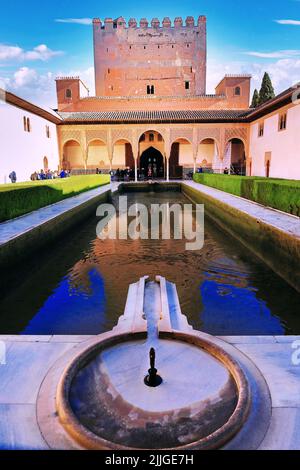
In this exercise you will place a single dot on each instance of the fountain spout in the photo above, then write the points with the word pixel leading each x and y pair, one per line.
pixel 152 379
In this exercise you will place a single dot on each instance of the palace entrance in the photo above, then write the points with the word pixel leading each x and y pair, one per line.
pixel 152 163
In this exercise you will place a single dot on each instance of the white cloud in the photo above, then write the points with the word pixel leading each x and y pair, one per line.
pixel 284 72
pixel 40 88
pixel 288 22
pixel 84 21
pixel 41 52
pixel 284 54
pixel 29 84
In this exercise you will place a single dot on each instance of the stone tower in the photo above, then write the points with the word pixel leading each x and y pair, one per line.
pixel 156 59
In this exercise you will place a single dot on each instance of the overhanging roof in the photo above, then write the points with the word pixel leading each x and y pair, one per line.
pixel 133 117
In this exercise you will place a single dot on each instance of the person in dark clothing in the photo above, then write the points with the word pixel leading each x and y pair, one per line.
pixel 13 177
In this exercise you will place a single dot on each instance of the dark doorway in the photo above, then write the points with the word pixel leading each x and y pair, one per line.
pixel 175 170
pixel 129 160
pixel 152 163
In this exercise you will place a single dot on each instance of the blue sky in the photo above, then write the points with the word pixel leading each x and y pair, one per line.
pixel 243 37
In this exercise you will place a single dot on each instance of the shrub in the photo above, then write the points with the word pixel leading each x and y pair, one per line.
pixel 277 193
pixel 21 198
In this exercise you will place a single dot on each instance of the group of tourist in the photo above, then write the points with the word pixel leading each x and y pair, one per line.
pixel 49 175
pixel 123 175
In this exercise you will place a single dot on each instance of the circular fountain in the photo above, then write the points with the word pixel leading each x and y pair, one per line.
pixel 196 395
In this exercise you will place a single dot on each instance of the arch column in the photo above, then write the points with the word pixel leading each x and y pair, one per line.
pixel 168 149
pixel 167 168
pixel 135 152
pixel 195 155
pixel 195 148
pixel 85 149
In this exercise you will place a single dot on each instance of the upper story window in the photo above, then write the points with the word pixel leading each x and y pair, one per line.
pixel 150 89
pixel 48 132
pixel 237 91
pixel 26 124
pixel 108 70
pixel 261 129
pixel 187 45
pixel 68 93
pixel 187 85
pixel 151 137
pixel 282 121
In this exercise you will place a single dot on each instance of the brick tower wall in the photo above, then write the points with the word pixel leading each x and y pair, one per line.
pixel 130 60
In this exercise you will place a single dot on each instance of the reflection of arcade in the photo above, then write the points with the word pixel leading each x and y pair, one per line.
pixel 152 164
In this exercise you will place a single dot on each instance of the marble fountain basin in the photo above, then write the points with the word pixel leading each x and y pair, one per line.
pixel 103 403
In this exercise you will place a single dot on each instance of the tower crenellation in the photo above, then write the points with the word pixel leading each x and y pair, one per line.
pixel 110 23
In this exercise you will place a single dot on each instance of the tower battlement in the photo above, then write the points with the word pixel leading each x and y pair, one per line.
pixel 110 24
pixel 156 58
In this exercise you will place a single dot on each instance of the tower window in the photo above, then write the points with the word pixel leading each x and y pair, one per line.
pixel 237 91
pixel 261 129
pixel 187 85
pixel 108 70
pixel 68 93
pixel 150 89
pixel 144 47
pixel 187 45
pixel 48 132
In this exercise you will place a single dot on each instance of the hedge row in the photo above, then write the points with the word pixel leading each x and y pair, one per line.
pixel 277 193
pixel 21 198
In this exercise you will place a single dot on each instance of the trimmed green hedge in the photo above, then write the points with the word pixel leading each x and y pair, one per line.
pixel 21 198
pixel 277 193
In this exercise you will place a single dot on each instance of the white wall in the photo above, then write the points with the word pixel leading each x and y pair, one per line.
pixel 23 151
pixel 186 155
pixel 206 152
pixel 283 145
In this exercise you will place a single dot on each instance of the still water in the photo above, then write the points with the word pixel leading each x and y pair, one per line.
pixel 80 285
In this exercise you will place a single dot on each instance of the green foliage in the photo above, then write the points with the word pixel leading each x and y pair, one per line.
pixel 277 193
pixel 21 198
pixel 255 99
pixel 267 91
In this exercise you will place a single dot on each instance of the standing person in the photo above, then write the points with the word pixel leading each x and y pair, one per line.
pixel 13 177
